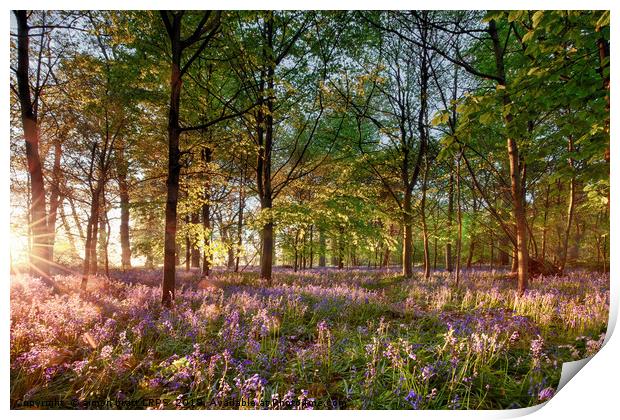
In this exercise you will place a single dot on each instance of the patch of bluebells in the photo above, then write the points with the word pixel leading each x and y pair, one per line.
pixel 248 340
pixel 413 399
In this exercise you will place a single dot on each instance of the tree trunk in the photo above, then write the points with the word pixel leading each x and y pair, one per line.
pixel 188 247
pixel 68 233
pixel 386 256
pixel 303 252
pixel 206 218
pixel 240 221
pixel 407 237
pixel 516 186
pixel 106 254
pixel 311 258
pixel 519 214
pixel 38 219
pixel 472 236
pixel 230 249
pixel 449 222
pixel 174 166
pixel 195 220
pixel 295 248
pixel 341 248
pixel 573 250
pixel 90 246
pixel 123 190
pixel 571 208
pixel 459 238
pixel 149 263
pixel 603 52
pixel 470 253
pixel 103 237
pixel 514 260
pixel 76 219
pixel 492 249
pixel 265 136
pixel 322 261
pixel 427 257
pixel 266 258
pixel 55 200
pixel 435 253
pixel 545 217
pixel 504 258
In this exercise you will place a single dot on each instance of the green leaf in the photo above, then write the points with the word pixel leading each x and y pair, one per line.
pixel 440 118
pixel 603 21
pixel 515 15
pixel 537 18
pixel 528 36
pixel 493 15
pixel 486 118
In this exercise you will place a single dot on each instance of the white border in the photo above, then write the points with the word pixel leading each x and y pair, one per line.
pixel 592 393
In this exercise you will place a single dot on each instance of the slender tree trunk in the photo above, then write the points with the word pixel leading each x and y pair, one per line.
pixel 504 258
pixel 435 254
pixel 265 135
pixel 149 264
pixel 123 190
pixel 295 247
pixel 311 245
pixel 103 238
pixel 515 260
pixel 106 254
pixel 94 256
pixel 519 214
pixel 407 237
pixel 322 247
pixel 267 252
pixel 38 218
pixel 574 249
pixel 492 260
pixel 303 252
pixel 449 221
pixel 206 218
pixel 459 238
pixel 68 232
pixel 230 249
pixel 571 208
pixel 195 220
pixel 517 190
pixel 603 50
pixel 470 253
pixel 454 119
pixel 341 248
pixel 605 266
pixel 76 219
pixel 386 255
pixel 545 217
pixel 188 247
pixel 55 199
pixel 240 221
pixel 90 247
pixel 174 165
pixel 472 236
pixel 427 257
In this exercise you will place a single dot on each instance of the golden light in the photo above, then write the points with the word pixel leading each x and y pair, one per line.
pixel 18 246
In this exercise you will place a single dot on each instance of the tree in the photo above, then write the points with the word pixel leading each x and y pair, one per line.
pixel 201 35
pixel 30 125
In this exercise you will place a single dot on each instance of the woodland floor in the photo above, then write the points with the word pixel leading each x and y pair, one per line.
pixel 367 339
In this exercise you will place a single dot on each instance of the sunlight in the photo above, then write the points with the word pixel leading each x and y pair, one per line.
pixel 18 245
